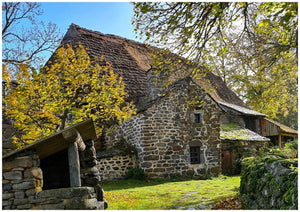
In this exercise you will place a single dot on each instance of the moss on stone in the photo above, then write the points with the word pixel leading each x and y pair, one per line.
pixel 269 182
pixel 233 132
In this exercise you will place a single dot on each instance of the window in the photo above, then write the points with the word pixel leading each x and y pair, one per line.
pixel 195 155
pixel 198 118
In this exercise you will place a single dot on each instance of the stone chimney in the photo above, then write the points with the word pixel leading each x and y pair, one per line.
pixel 155 86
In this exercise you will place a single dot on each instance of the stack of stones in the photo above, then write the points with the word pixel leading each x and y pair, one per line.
pixel 22 178
pixel 22 184
pixel 90 175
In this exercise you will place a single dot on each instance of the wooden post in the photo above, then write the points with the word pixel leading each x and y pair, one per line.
pixel 74 165
pixel 279 140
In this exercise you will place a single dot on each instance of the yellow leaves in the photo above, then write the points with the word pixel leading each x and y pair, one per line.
pixel 69 83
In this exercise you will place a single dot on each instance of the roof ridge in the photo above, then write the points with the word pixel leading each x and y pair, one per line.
pixel 131 60
pixel 76 27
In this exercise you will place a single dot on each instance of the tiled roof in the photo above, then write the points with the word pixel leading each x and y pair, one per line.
pixel 243 110
pixel 236 133
pixel 131 60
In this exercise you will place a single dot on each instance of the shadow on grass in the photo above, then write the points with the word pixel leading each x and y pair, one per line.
pixel 126 184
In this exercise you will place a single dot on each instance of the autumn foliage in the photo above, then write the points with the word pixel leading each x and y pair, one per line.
pixel 68 90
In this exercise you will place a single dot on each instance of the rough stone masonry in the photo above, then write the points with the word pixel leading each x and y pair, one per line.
pixel 164 131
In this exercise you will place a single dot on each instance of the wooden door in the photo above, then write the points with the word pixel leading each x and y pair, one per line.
pixel 226 159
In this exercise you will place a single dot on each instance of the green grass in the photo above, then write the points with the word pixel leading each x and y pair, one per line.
pixel 167 194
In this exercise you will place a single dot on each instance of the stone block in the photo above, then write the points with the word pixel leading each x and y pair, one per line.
pixel 32 192
pixel 6 196
pixel 83 204
pixel 146 164
pixel 7 186
pixel 24 185
pixel 22 207
pixel 13 175
pixel 169 152
pixel 18 169
pixel 67 192
pixel 34 200
pixel 20 201
pixel 49 207
pixel 5 181
pixel 52 201
pixel 159 169
pixel 151 157
pixel 22 162
pixel 33 172
pixel 6 203
pixel 20 195
pixel 177 148
pixel 175 157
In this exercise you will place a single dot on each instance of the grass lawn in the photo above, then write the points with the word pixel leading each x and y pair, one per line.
pixel 168 194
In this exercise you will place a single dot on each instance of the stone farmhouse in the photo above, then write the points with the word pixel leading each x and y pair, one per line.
pixel 169 135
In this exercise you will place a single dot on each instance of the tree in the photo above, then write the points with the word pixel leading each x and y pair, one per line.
pixel 68 90
pixel 252 46
pixel 260 72
pixel 21 43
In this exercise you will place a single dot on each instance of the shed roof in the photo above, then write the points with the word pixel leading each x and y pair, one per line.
pixel 240 109
pixel 236 133
pixel 283 128
pixel 56 142
pixel 131 60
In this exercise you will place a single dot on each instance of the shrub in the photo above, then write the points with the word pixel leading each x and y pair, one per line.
pixel 136 174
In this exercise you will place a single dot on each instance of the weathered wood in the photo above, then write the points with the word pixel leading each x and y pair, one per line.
pixel 279 140
pixel 74 165
pixel 80 143
pixel 73 135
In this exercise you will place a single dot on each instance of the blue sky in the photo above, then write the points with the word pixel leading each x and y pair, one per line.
pixel 106 17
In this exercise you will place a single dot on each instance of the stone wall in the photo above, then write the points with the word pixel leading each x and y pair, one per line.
pixel 115 167
pixel 164 130
pixel 270 182
pixel 8 132
pixel 22 178
pixel 232 116
pixel 22 182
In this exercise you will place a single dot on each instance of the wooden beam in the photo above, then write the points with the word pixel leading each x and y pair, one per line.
pixel 289 135
pixel 74 165
pixel 73 135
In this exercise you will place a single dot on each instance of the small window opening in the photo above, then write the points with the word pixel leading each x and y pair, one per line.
pixel 195 155
pixel 198 118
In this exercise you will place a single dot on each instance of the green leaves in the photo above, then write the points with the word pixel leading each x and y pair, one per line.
pixel 250 45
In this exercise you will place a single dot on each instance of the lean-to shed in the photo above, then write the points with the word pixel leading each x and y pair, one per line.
pixel 56 162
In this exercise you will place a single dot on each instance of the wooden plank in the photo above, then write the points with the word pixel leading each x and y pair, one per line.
pixel 56 142
pixel 74 165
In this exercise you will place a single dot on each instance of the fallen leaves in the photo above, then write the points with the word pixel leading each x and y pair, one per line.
pixel 229 203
